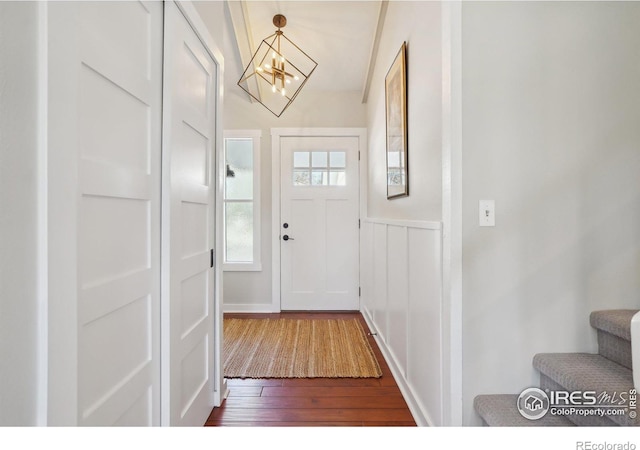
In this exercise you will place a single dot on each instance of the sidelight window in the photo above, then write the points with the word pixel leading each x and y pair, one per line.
pixel 242 200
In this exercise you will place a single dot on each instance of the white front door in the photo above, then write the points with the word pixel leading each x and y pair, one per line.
pixel 189 186
pixel 319 223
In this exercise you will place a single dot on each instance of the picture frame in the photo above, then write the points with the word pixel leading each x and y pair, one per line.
pixel 396 126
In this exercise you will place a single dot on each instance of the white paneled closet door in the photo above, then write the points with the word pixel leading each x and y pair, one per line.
pixel 190 87
pixel 104 166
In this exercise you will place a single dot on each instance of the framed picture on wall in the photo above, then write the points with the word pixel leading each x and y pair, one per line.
pixel 396 121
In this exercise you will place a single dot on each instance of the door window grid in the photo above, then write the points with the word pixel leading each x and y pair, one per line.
pixel 319 168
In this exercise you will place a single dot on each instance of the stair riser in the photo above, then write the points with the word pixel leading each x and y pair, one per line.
pixel 547 384
pixel 615 348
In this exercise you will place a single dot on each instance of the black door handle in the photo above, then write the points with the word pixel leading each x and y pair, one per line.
pixel 287 238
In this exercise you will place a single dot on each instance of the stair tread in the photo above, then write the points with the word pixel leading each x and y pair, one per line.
pixel 500 410
pixel 614 321
pixel 548 385
pixel 584 371
pixel 587 372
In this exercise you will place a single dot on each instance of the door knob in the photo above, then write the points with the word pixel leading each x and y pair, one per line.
pixel 285 225
pixel 287 238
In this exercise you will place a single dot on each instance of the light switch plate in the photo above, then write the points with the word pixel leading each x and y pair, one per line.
pixel 487 213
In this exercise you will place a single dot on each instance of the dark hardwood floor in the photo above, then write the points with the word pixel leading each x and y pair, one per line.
pixel 317 401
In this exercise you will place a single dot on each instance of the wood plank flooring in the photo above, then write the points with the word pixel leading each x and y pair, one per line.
pixel 314 402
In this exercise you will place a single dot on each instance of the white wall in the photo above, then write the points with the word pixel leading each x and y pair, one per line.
pixel 551 109
pixel 212 12
pixel 18 214
pixel 401 241
pixel 251 291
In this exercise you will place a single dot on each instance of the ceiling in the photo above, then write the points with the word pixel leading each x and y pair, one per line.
pixel 338 35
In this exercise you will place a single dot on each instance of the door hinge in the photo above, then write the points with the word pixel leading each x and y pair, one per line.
pixel 358 223
pixel 358 155
pixel 213 257
pixel 359 291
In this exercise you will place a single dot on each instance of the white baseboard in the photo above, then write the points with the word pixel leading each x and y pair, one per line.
pixel 248 308
pixel 419 416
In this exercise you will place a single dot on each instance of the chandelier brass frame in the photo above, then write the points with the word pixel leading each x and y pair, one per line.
pixel 278 70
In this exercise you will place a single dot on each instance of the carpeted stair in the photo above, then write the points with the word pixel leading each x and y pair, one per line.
pixel 607 373
pixel 500 410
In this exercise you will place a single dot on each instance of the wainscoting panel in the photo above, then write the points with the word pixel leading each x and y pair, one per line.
pixel 424 373
pixel 379 285
pixel 397 294
pixel 401 277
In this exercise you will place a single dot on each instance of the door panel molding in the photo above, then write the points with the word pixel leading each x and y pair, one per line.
pixel 277 134
pixel 191 322
pixel 81 175
pixel 103 212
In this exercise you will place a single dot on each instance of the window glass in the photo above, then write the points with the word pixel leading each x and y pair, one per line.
pixel 319 159
pixel 300 159
pixel 239 231
pixel 239 174
pixel 337 178
pixel 338 159
pixel 301 178
pixel 319 178
pixel 241 201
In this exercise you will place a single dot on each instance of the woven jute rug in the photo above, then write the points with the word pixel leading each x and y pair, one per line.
pixel 297 348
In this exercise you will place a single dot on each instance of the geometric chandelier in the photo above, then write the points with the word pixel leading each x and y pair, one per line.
pixel 277 71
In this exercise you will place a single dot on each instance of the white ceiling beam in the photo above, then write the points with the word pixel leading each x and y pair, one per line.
pixel 240 20
pixel 374 49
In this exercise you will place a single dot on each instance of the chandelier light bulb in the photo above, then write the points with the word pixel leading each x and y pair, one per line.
pixel 262 71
